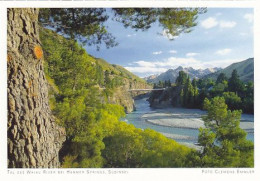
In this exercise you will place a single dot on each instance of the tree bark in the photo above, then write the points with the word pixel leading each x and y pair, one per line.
pixel 34 139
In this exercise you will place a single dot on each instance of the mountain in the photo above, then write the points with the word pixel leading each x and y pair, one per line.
pixel 117 70
pixel 172 74
pixel 244 68
pixel 111 81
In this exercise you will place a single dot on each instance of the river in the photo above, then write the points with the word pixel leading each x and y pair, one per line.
pixel 180 124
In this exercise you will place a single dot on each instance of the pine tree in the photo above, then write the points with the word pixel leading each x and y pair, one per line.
pixel 234 83
pixel 88 24
pixel 221 77
pixel 182 78
pixel 224 142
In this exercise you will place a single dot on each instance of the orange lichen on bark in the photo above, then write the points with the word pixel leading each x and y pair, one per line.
pixel 9 57
pixel 30 84
pixel 38 52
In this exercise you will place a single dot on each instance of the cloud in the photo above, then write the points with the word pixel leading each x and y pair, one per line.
pixel 147 70
pixel 157 53
pixel 227 24
pixel 209 23
pixel 173 51
pixel 130 35
pixel 249 17
pixel 213 22
pixel 223 51
pixel 156 67
pixel 191 54
pixel 166 34
pixel 149 67
pixel 142 63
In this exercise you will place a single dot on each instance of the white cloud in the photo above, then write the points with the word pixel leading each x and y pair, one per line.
pixel 213 22
pixel 150 68
pixel 209 23
pixel 191 54
pixel 166 34
pixel 227 24
pixel 249 17
pixel 173 51
pixel 223 51
pixel 130 35
pixel 142 63
pixel 157 53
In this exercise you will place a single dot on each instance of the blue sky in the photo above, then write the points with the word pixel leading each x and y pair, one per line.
pixel 223 36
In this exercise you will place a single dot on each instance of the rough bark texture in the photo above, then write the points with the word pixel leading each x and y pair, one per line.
pixel 34 140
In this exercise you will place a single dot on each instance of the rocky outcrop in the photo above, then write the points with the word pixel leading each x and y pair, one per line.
pixel 124 97
pixel 166 98
pixel 34 139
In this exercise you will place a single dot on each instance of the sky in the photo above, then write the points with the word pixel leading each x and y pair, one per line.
pixel 223 36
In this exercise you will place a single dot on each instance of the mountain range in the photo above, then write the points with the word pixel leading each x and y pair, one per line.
pixel 172 74
pixel 245 70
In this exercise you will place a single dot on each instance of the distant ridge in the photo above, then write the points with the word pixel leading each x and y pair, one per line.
pixel 244 68
pixel 172 74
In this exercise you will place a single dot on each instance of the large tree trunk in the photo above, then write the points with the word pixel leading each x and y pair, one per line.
pixel 34 140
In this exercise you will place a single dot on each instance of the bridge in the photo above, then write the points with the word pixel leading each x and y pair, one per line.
pixel 130 90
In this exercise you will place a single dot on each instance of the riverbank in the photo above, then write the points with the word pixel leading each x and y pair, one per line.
pixel 179 124
pixel 188 118
pixel 176 117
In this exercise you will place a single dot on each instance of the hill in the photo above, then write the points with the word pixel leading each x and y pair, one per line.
pixel 117 70
pixel 244 68
pixel 71 66
pixel 172 74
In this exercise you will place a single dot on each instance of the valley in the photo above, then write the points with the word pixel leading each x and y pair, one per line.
pixel 180 124
pixel 69 109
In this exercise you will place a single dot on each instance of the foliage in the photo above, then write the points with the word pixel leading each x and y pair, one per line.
pixel 238 95
pixel 234 83
pixel 224 142
pixel 182 78
pixel 189 91
pixel 232 100
pixel 88 24
pixel 221 77
pixel 173 20
pixel 139 148
pixel 95 136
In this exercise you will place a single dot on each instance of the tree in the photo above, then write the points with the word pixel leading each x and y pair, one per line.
pixel 219 88
pixel 248 98
pixel 182 78
pixel 234 83
pixel 232 100
pixel 107 78
pixel 224 142
pixel 160 84
pixel 88 24
pixel 169 83
pixel 221 77
pixel 31 125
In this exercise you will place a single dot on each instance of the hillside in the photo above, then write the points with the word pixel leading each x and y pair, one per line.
pixel 244 68
pixel 111 81
pixel 117 69
pixel 172 74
